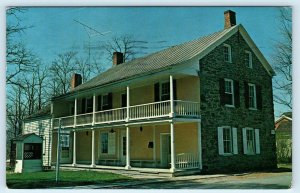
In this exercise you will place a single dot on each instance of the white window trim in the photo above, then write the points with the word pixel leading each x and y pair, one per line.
pixel 233 135
pixel 100 142
pixel 232 89
pixel 256 141
pixel 250 63
pixel 111 150
pixel 229 53
pixel 254 91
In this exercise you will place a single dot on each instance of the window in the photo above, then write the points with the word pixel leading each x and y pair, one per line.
pixel 227 140
pixel 165 91
pixel 123 100
pixel 252 96
pixel 227 53
pixel 229 96
pixel 248 59
pixel 104 142
pixel 108 143
pixel 32 151
pixel 89 105
pixel 105 102
pixel 251 141
pixel 65 145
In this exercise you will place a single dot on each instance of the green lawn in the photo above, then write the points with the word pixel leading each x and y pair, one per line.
pixel 67 178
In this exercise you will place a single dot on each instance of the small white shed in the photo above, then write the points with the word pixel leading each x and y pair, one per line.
pixel 28 153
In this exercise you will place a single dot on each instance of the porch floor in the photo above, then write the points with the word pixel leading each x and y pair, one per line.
pixel 133 172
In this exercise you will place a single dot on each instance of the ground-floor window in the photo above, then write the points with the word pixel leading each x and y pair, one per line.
pixel 107 143
pixel 65 145
pixel 227 140
pixel 251 141
pixel 32 151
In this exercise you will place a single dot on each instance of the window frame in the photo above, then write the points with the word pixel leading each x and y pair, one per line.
pixel 87 105
pixel 232 92
pixel 102 144
pixel 229 50
pixel 254 97
pixel 102 101
pixel 161 95
pixel 232 141
pixel 249 60
pixel 255 138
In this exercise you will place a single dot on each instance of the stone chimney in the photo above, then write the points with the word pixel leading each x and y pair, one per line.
pixel 117 58
pixel 229 19
pixel 76 80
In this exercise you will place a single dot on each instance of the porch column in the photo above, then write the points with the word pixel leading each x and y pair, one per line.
pixel 94 108
pixel 93 148
pixel 74 148
pixel 173 167
pixel 75 112
pixel 171 96
pixel 199 145
pixel 127 149
pixel 127 103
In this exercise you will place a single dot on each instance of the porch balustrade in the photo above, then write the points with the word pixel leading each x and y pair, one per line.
pixel 187 161
pixel 144 111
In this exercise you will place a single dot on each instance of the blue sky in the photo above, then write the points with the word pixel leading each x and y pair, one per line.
pixel 54 30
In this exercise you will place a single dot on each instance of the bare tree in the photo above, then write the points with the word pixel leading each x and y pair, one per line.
pixel 283 60
pixel 125 44
pixel 18 57
pixel 62 69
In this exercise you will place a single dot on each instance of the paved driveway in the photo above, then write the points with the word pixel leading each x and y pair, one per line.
pixel 280 180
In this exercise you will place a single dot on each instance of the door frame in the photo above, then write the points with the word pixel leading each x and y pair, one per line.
pixel 161 146
pixel 122 157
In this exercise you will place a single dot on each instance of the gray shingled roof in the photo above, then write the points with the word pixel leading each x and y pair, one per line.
pixel 159 60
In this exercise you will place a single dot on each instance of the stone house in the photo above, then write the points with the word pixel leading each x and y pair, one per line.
pixel 204 105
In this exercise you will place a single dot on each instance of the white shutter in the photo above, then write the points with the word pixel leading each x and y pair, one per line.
pixel 245 140
pixel 257 142
pixel 234 141
pixel 220 140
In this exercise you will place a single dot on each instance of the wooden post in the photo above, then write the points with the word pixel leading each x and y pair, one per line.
pixel 127 104
pixel 173 167
pixel 75 112
pixel 127 149
pixel 94 108
pixel 93 148
pixel 74 148
pixel 171 96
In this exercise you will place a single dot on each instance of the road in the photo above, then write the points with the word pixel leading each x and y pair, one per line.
pixel 280 180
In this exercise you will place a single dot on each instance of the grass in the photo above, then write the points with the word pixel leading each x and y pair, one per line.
pixel 67 178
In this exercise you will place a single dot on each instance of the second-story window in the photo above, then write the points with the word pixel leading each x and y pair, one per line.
pixel 89 105
pixel 248 59
pixel 252 96
pixel 227 53
pixel 229 95
pixel 165 91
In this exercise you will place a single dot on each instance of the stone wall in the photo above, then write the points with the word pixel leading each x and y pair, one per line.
pixel 213 67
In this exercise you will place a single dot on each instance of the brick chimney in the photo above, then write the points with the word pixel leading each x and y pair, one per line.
pixel 117 58
pixel 76 80
pixel 229 19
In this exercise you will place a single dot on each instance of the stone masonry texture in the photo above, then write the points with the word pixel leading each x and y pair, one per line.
pixel 213 67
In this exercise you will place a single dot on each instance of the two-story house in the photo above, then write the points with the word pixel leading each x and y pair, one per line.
pixel 202 105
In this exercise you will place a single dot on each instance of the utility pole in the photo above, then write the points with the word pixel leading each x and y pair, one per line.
pixel 58 153
pixel 91 33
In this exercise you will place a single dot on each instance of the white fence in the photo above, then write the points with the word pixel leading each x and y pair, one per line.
pixel 187 160
pixel 143 111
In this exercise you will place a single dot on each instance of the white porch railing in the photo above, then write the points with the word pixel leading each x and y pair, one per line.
pixel 187 161
pixel 111 115
pixel 65 121
pixel 150 110
pixel 84 119
pixel 145 111
pixel 186 108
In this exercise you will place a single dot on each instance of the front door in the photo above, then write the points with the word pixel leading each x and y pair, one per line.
pixel 123 148
pixel 165 150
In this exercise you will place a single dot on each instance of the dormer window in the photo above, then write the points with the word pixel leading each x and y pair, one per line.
pixel 227 53
pixel 248 59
